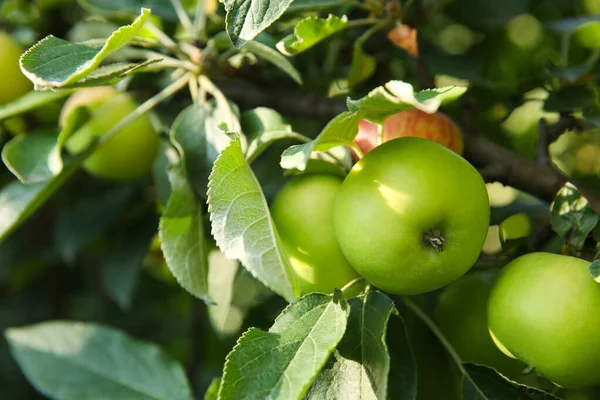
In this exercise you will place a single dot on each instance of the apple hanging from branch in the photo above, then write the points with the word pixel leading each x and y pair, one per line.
pixel 412 122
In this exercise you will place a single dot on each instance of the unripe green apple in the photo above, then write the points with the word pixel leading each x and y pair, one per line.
pixel 412 122
pixel 461 314
pixel 13 84
pixel 303 214
pixel 543 310
pixel 127 155
pixel 412 216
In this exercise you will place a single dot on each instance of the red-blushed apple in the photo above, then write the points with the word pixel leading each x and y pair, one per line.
pixel 413 122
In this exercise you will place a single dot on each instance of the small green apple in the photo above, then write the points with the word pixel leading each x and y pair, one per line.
pixel 303 214
pixel 130 153
pixel 13 84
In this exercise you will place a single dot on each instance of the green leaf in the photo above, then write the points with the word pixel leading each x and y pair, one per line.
pixel 242 224
pixel 274 57
pixel 282 363
pixel 359 368
pixel 30 101
pixel 110 74
pixel 127 9
pixel 247 18
pixel 363 65
pixel 79 223
pixel 120 269
pixel 18 201
pixel 225 317
pixel 393 97
pixel 75 360
pixel 213 390
pixel 36 157
pixel 595 270
pixel 181 232
pixel 55 63
pixel 396 96
pixel 32 157
pixel 572 217
pixel 340 131
pixel 484 383
pixel 309 32
pixel 569 98
pixel 403 382
pixel 263 126
pixel 199 140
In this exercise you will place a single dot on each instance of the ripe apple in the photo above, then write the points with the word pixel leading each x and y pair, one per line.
pixel 303 214
pixel 543 310
pixel 130 153
pixel 13 84
pixel 412 216
pixel 412 122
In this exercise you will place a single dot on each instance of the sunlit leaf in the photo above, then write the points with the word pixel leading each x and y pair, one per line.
pixel 282 363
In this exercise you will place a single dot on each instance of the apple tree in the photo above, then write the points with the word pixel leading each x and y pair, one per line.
pixel 300 199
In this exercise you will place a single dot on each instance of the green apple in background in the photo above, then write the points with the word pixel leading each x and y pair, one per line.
pixel 412 216
pixel 461 315
pixel 516 226
pixel 13 84
pixel 303 214
pixel 543 310
pixel 129 154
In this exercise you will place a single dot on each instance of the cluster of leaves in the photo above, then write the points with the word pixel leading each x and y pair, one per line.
pixel 219 167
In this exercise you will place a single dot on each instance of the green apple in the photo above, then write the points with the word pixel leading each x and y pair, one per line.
pixel 461 315
pixel 412 216
pixel 303 214
pixel 129 154
pixel 13 84
pixel 543 310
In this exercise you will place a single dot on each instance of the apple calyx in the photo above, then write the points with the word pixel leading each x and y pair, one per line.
pixel 434 238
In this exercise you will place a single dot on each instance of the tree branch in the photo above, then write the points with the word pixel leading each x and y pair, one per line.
pixel 495 162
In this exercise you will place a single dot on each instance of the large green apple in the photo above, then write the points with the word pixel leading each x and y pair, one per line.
pixel 461 315
pixel 13 84
pixel 543 310
pixel 129 154
pixel 302 212
pixel 412 216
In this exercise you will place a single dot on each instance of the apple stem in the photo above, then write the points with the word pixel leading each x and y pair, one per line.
pixel 434 238
pixel 352 283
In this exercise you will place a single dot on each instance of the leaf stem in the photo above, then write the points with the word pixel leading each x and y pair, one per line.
pixel 162 38
pixel 362 22
pixel 184 19
pixel 199 27
pixel 352 283
pixel 358 151
pixel 194 90
pixel 145 107
pixel 436 331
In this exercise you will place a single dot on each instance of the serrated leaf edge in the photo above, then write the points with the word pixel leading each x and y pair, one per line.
pixel 285 311
pixel 273 232
pixel 83 69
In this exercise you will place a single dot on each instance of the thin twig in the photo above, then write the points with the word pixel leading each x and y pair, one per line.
pixel 183 17
pixel 145 107
pixel 200 20
pixel 436 331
